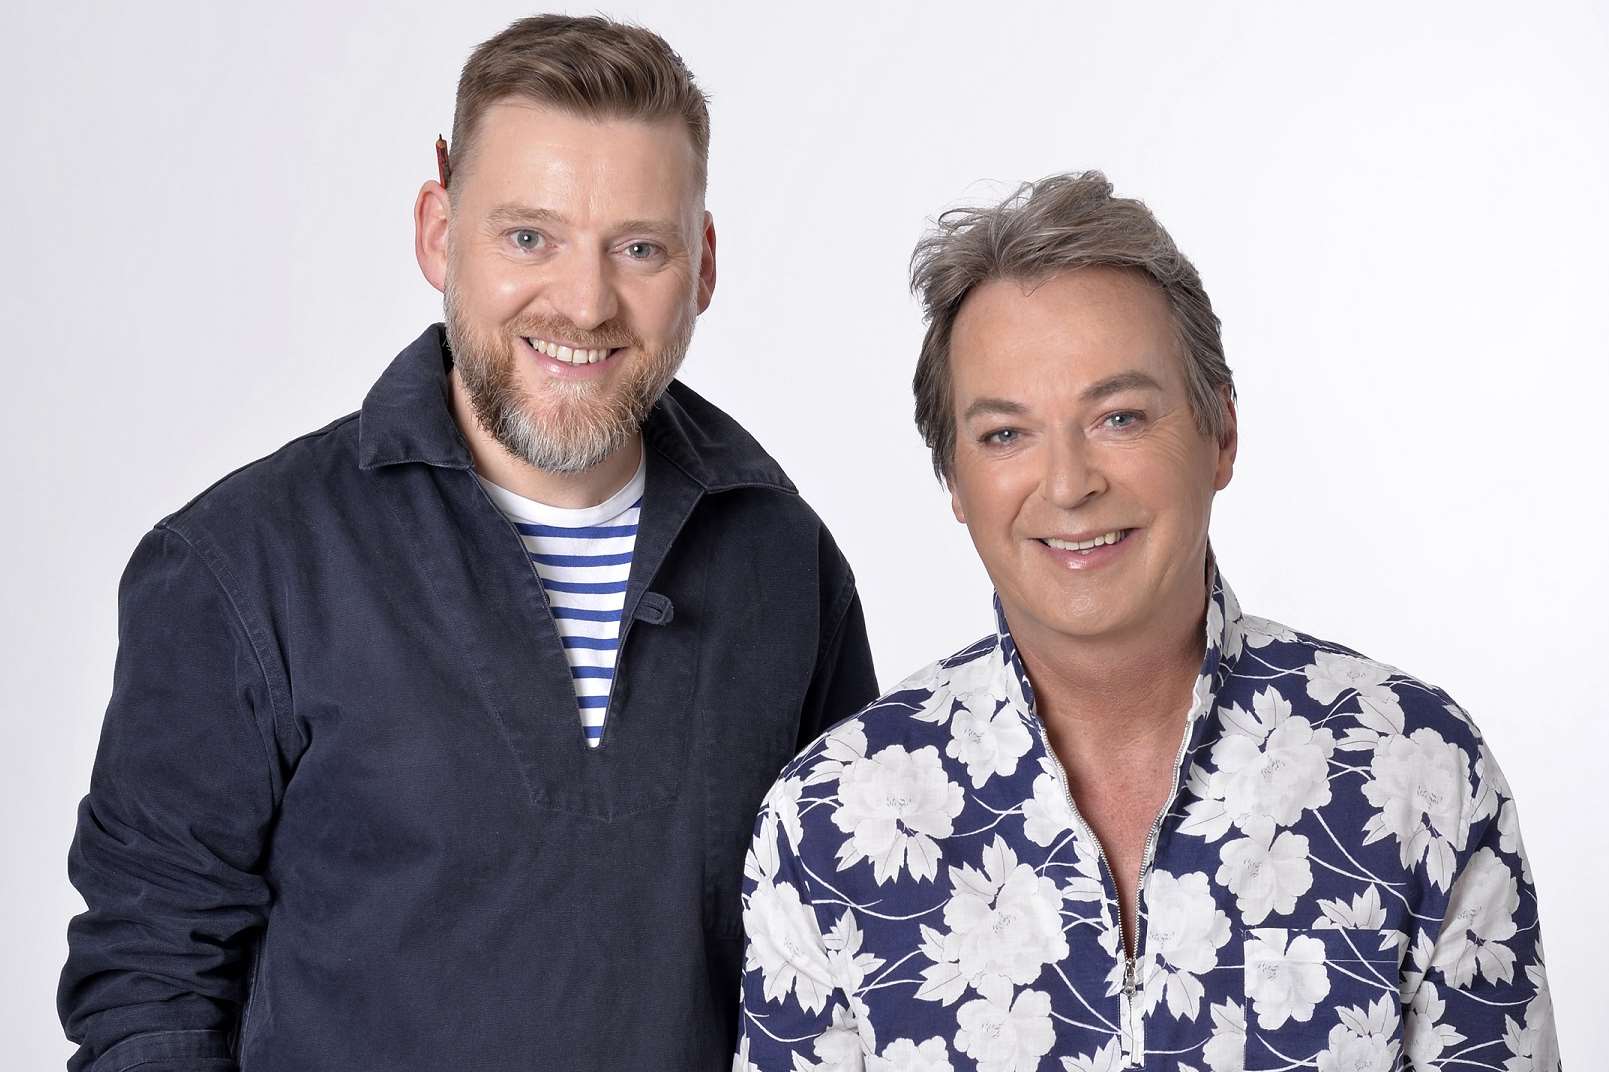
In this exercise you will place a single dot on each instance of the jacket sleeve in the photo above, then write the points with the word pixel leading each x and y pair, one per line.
pixel 1482 991
pixel 844 680
pixel 170 839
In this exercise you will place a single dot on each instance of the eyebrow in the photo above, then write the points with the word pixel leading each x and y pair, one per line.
pixel 994 405
pixel 513 213
pixel 1123 381
pixel 664 231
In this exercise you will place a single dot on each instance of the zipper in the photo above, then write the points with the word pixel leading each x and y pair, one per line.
pixel 1131 1021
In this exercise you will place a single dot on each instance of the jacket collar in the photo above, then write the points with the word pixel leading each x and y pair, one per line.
pixel 407 418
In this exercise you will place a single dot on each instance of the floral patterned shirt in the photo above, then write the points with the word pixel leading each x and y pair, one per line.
pixel 1336 883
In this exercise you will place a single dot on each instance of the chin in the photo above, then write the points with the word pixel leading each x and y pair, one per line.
pixel 1063 619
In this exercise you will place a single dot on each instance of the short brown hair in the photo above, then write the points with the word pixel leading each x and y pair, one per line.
pixel 1058 224
pixel 591 67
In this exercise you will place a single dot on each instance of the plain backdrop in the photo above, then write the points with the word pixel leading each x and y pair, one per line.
pixel 1398 209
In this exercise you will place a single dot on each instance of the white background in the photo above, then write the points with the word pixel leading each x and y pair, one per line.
pixel 1399 211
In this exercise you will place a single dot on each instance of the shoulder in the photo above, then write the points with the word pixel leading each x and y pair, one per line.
pixel 273 489
pixel 710 445
pixel 913 717
pixel 747 488
pixel 1364 703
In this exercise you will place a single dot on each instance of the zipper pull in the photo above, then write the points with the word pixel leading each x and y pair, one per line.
pixel 1133 1045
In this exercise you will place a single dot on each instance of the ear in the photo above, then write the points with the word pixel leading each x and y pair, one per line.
pixel 955 502
pixel 432 213
pixel 1228 443
pixel 706 265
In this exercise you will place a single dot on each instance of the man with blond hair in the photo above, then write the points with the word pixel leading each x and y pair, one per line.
pixel 435 734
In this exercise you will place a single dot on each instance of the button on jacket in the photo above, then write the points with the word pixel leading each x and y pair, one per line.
pixel 344 815
pixel 1336 883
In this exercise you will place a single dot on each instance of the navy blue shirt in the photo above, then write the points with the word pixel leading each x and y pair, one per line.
pixel 1337 883
pixel 344 815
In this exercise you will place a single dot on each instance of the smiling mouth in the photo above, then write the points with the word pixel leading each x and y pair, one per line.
pixel 1084 547
pixel 571 355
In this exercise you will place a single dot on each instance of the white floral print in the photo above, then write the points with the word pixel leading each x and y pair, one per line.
pixel 1004 920
pixel 921 895
pixel 1365 1040
pixel 1420 783
pixel 1425 1036
pixel 1364 912
pixel 1003 1035
pixel 838 1048
pixel 989 743
pixel 1046 818
pixel 1185 930
pixel 1272 766
pixel 903 1055
pixel 1285 977
pixel 894 805
pixel 1333 674
pixel 1226 1049
pixel 1480 918
pixel 1266 874
pixel 1533 1044
pixel 1108 1058
pixel 787 948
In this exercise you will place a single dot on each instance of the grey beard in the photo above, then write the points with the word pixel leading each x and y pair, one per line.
pixel 580 431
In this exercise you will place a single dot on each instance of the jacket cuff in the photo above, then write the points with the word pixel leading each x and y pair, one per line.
pixel 196 1050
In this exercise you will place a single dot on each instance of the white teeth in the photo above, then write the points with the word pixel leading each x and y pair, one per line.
pixel 1085 545
pixel 570 356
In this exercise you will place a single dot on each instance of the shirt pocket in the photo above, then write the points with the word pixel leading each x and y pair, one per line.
pixel 1322 993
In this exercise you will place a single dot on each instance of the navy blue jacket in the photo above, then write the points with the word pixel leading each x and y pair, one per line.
pixel 343 815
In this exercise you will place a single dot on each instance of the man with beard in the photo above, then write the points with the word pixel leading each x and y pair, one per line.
pixel 435 735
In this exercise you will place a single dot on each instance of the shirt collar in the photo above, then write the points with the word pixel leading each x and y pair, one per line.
pixel 407 417
pixel 1224 642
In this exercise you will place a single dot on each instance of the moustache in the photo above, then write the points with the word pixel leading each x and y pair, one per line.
pixel 609 336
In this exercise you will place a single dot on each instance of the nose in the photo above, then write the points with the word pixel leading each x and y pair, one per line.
pixel 1071 477
pixel 582 290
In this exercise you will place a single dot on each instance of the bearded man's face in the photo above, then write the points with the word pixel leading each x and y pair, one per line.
pixel 573 277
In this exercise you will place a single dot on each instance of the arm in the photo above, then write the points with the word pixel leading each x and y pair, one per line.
pixel 792 1014
pixel 1484 998
pixel 844 680
pixel 170 839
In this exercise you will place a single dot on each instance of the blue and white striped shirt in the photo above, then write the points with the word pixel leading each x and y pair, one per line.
pixel 584 559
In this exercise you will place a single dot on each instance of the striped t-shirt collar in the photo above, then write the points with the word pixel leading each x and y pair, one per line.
pixel 531 512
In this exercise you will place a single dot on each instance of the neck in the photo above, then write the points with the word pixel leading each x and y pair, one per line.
pixel 1107 695
pixel 573 491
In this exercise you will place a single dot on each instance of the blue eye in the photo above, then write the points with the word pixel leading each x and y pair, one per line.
pixel 642 251
pixel 1121 420
pixel 526 239
pixel 1000 437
